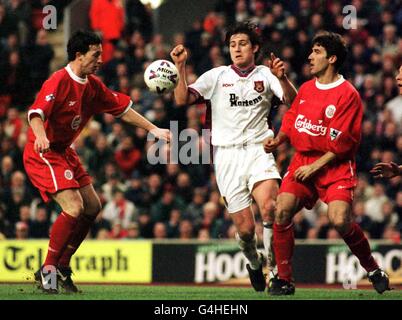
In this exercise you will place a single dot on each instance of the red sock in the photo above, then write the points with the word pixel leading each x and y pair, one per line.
pixel 284 242
pixel 81 230
pixel 60 234
pixel 359 245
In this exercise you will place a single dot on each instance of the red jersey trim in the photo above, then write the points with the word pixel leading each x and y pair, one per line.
pixel 242 73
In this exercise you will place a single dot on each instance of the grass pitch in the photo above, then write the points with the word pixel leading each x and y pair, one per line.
pixel 162 292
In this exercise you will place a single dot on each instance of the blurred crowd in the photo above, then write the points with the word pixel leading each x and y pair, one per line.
pixel 161 201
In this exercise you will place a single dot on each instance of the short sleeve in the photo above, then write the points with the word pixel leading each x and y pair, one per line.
pixel 45 99
pixel 274 84
pixel 345 127
pixel 109 101
pixel 205 84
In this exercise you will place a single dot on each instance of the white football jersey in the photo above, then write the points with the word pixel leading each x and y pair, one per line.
pixel 240 104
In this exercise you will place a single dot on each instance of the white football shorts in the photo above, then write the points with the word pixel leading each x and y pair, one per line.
pixel 238 168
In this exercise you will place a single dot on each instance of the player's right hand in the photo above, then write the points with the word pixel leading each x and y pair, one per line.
pixel 41 145
pixel 270 144
pixel 179 54
pixel 385 170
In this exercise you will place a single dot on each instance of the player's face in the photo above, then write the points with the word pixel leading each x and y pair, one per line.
pixel 319 62
pixel 241 50
pixel 399 79
pixel 92 60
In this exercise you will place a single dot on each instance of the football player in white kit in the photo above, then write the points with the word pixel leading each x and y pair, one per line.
pixel 239 96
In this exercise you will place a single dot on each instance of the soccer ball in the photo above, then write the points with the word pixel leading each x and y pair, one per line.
pixel 161 76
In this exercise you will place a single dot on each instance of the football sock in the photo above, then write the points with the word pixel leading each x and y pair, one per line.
pixel 359 245
pixel 267 236
pixel 84 223
pixel 284 242
pixel 249 248
pixel 60 234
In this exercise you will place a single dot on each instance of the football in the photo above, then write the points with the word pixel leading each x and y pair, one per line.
pixel 161 76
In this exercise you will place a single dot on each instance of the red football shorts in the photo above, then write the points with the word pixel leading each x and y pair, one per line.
pixel 335 181
pixel 54 171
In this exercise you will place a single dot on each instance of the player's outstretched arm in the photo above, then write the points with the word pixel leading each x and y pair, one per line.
pixel 386 170
pixel 270 144
pixel 41 142
pixel 181 94
pixel 134 118
pixel 278 70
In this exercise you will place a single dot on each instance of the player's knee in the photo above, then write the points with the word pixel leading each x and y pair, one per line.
pixel 341 223
pixel 282 215
pixel 268 210
pixel 75 208
pixel 94 208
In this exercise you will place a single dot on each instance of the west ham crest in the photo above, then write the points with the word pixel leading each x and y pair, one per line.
pixel 259 86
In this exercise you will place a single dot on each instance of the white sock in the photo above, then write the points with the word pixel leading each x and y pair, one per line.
pixel 267 239
pixel 250 251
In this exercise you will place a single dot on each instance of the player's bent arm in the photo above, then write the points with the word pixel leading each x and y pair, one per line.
pixel 134 118
pixel 324 160
pixel 289 90
pixel 38 128
pixel 181 93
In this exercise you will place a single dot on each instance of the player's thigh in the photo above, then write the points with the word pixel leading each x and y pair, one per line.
pixel 265 193
pixel 92 203
pixel 244 222
pixel 231 180
pixel 287 205
pixel 70 200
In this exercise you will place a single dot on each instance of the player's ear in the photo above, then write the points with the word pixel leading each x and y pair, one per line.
pixel 256 48
pixel 332 59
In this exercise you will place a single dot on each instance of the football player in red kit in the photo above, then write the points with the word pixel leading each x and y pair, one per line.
pixel 324 126
pixel 65 103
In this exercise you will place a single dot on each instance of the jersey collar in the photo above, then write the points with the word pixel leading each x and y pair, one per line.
pixel 75 77
pixel 329 85
pixel 243 73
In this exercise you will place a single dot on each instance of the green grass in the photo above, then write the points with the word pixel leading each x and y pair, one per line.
pixel 145 292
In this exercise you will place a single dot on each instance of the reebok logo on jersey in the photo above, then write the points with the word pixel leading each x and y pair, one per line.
pixel 302 101
pixel 302 124
pixel 71 103
pixel 50 97
pixel 334 134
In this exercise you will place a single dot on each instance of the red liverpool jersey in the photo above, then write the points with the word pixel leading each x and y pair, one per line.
pixel 325 117
pixel 66 103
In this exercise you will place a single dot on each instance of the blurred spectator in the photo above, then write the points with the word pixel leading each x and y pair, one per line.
pixel 120 209
pixel 159 231
pixel 21 231
pixel 40 226
pixel 107 17
pixel 133 231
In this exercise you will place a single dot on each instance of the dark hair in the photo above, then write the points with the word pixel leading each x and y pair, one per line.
pixel 334 45
pixel 80 42
pixel 249 29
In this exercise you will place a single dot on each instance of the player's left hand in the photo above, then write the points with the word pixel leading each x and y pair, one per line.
pixel 163 134
pixel 303 173
pixel 277 66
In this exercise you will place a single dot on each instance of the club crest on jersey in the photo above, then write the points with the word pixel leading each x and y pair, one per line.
pixel 330 111
pixel 68 174
pixel 259 86
pixel 50 97
pixel 75 124
pixel 334 134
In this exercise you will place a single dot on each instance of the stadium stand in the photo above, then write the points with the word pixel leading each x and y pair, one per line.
pixel 182 201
